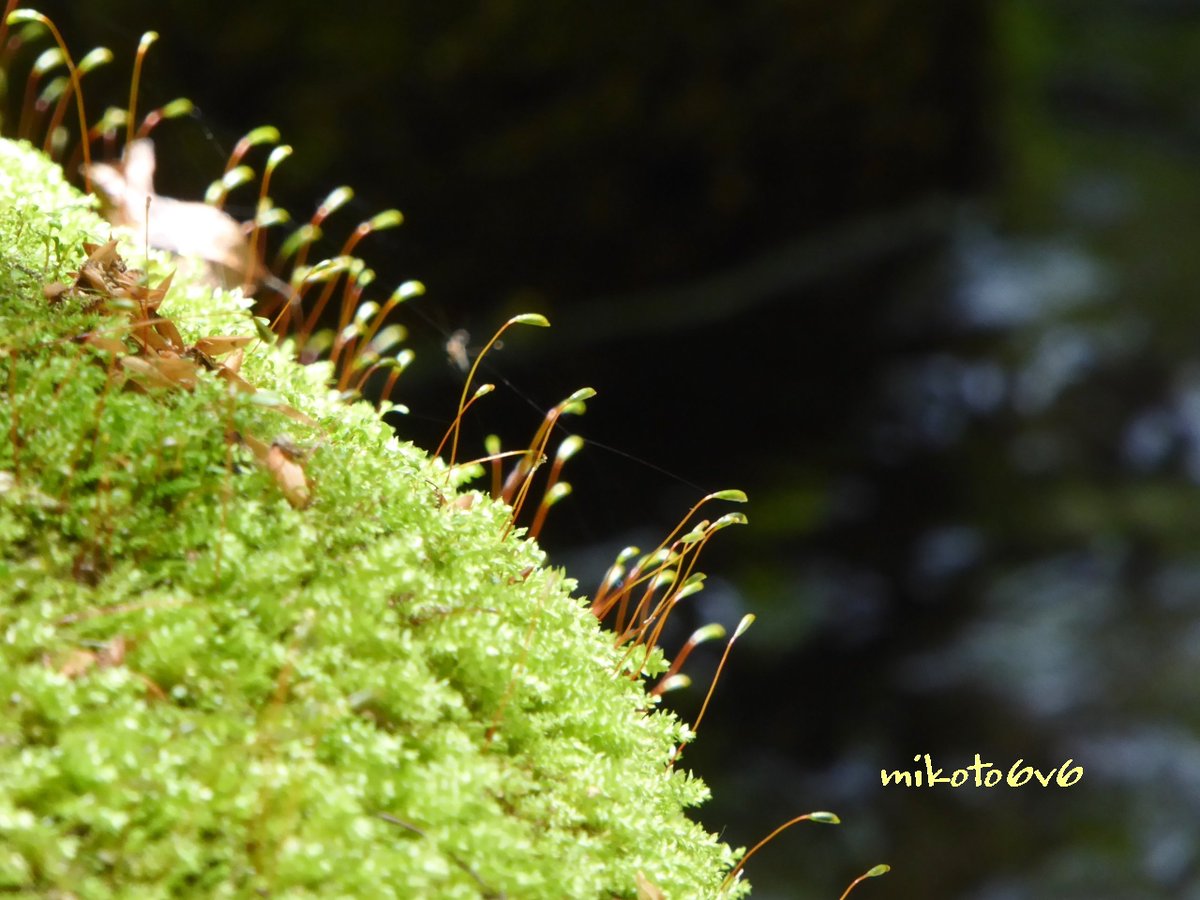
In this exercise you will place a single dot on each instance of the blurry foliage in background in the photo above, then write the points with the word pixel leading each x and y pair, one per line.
pixel 583 149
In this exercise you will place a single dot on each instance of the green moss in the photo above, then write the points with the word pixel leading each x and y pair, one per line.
pixel 375 695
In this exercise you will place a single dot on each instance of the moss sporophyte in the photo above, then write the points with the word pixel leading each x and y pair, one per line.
pixel 255 644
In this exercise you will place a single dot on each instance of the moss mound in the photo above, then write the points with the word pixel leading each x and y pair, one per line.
pixel 210 690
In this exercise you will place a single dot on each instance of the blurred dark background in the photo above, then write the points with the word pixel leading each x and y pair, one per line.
pixel 919 276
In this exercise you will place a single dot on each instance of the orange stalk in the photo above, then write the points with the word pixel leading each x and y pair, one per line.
pixel 826 818
pixel 29 15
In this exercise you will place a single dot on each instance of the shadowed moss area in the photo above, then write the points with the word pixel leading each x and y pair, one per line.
pixel 209 689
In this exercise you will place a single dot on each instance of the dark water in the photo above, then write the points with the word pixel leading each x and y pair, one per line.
pixel 1005 571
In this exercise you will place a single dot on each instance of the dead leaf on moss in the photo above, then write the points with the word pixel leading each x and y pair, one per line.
pixel 160 357
pixel 647 889
pixel 154 355
pixel 108 344
pixel 220 345
pixel 167 370
pixel 283 459
pixel 54 291
pixel 109 655
pixel 289 475
pixel 77 663
pixel 182 227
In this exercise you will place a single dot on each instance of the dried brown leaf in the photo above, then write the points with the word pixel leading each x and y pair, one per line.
pixel 54 291
pixel 647 889
pixel 296 416
pixel 176 368
pixel 110 655
pixel 104 342
pixel 166 328
pixel 219 345
pixel 236 380
pixel 282 460
pixel 182 227
pixel 77 663
pixel 289 475
pixel 145 373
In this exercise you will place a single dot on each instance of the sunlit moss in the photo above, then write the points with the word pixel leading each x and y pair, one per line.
pixel 208 690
